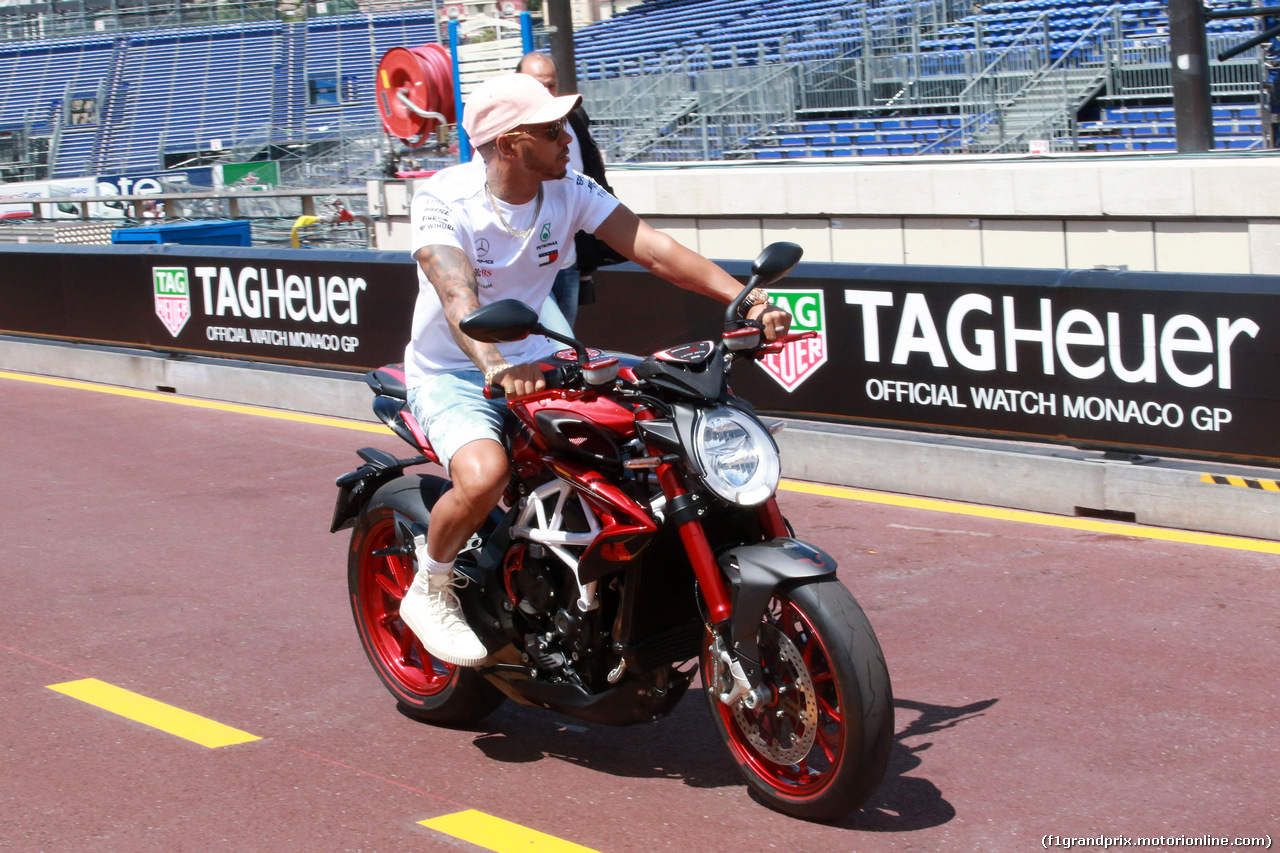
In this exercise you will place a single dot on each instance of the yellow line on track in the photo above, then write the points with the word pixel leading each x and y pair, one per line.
pixel 260 411
pixel 501 836
pixel 1116 528
pixel 1212 540
pixel 149 712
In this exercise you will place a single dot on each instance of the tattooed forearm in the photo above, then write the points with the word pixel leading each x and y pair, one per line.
pixel 450 273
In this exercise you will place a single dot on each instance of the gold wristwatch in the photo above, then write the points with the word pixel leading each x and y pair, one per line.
pixel 757 296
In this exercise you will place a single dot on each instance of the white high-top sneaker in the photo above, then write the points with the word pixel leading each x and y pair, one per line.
pixel 432 611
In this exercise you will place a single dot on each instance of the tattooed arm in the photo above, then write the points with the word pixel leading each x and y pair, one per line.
pixel 449 271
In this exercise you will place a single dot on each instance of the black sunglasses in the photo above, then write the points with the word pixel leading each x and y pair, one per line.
pixel 550 131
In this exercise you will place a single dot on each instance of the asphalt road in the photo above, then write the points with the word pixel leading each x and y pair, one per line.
pixel 1049 681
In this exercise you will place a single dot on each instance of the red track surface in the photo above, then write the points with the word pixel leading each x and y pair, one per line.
pixel 1048 681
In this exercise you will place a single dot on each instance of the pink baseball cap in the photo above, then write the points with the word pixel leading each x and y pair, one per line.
pixel 503 103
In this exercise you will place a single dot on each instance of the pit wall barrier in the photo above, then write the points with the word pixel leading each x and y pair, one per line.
pixel 1128 395
pixel 1181 213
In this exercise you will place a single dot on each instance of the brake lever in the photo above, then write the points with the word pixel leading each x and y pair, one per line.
pixel 775 347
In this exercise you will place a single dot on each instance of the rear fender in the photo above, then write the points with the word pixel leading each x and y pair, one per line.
pixel 356 487
pixel 755 572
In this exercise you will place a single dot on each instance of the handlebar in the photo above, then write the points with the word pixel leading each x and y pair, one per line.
pixel 558 379
pixel 564 378
pixel 775 347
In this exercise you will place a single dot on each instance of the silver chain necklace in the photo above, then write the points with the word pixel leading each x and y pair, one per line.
pixel 519 235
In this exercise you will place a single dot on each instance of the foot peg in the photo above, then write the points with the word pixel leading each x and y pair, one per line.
pixel 410 537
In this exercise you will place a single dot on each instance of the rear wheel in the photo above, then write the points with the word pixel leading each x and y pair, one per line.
pixel 427 689
pixel 819 747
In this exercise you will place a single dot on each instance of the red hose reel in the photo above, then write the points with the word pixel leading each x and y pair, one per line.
pixel 415 92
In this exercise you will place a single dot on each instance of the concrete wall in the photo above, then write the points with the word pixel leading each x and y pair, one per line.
pixel 1045 478
pixel 1218 214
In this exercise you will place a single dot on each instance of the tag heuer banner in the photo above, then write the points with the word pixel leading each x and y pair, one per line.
pixel 316 307
pixel 1171 363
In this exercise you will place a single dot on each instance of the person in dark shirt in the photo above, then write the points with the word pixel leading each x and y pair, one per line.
pixel 574 285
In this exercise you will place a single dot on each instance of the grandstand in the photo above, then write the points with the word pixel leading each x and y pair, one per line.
pixel 821 78
pixel 140 85
pixel 141 100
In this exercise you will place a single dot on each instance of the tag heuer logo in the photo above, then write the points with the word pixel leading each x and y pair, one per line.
pixel 800 359
pixel 173 297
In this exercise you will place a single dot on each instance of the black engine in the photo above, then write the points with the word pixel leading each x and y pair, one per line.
pixel 561 640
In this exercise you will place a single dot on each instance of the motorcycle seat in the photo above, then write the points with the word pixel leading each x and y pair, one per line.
pixel 388 381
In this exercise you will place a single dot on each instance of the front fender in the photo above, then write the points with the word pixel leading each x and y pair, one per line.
pixel 755 572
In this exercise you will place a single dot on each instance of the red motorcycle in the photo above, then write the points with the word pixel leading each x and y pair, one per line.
pixel 640 533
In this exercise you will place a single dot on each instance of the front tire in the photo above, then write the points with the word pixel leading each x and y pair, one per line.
pixel 427 689
pixel 819 748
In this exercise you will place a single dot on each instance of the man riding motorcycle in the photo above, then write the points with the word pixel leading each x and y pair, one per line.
pixel 485 234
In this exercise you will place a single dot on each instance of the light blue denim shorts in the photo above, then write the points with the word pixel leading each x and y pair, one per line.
pixel 452 410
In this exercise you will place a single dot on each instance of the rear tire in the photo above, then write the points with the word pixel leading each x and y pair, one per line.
pixel 820 747
pixel 427 689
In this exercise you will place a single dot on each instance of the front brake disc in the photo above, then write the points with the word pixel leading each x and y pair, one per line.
pixel 785 729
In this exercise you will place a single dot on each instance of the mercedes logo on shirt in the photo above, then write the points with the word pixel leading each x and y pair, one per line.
pixel 482 247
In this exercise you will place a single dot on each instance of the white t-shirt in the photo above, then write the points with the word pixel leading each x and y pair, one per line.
pixel 569 256
pixel 575 149
pixel 452 209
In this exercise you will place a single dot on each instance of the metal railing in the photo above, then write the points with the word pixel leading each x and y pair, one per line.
pixel 67 18
pixel 1142 69
pixel 1011 71
pixel 680 115
pixel 734 105
pixel 627 111
pixel 844 27
pixel 1045 107
pixel 900 27
pixel 273 215
pixel 924 79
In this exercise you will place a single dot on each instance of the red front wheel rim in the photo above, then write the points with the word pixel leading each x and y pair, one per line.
pixel 382 584
pixel 810 775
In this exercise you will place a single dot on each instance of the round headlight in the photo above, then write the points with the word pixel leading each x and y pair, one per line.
pixel 738 459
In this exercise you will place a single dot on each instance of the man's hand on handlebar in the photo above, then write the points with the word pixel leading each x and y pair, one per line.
pixel 776 321
pixel 521 380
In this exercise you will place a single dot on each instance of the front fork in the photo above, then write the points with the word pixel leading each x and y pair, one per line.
pixel 683 509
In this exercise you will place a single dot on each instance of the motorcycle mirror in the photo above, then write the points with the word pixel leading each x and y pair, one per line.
pixel 774 262
pixel 511 320
pixel 500 322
